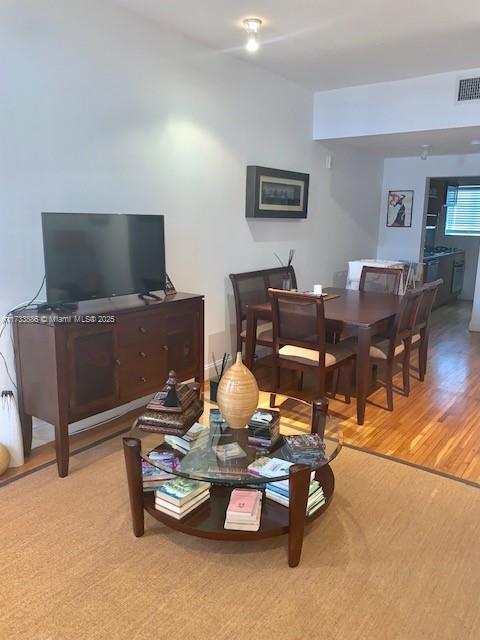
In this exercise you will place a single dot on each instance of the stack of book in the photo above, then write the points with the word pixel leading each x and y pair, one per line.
pixel 279 492
pixel 194 436
pixel 305 449
pixel 153 477
pixel 181 496
pixel 264 428
pixel 244 510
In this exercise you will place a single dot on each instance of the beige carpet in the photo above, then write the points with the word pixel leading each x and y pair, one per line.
pixel 397 556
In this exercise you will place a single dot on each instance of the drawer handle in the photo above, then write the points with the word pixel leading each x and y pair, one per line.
pixel 165 347
pixel 142 354
pixel 117 362
pixel 142 330
pixel 143 379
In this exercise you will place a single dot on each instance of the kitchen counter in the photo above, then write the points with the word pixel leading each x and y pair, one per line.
pixel 449 265
pixel 435 256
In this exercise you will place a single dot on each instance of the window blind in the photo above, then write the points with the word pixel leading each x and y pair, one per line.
pixel 463 211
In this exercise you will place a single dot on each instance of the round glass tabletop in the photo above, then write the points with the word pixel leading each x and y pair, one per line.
pixel 221 455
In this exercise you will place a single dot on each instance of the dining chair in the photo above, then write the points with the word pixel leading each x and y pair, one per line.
pixel 299 341
pixel 398 340
pixel 380 279
pixel 251 288
pixel 422 324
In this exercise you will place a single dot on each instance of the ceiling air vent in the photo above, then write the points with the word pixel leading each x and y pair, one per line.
pixel 468 89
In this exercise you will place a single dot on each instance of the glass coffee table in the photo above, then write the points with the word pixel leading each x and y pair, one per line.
pixel 201 463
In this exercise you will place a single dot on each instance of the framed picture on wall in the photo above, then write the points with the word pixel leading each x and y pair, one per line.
pixel 275 193
pixel 399 208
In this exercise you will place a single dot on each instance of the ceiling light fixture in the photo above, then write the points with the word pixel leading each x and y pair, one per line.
pixel 475 141
pixel 252 26
pixel 426 149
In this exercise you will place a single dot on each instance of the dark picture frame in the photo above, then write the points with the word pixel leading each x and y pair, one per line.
pixel 276 193
pixel 400 208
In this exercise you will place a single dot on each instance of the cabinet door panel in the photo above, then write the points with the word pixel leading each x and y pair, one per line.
pixel 182 341
pixel 93 376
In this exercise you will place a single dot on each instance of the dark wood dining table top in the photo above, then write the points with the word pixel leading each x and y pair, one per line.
pixel 351 307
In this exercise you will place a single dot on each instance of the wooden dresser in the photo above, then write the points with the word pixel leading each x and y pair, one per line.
pixel 106 353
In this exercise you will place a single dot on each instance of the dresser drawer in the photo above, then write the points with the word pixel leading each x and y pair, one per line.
pixel 138 380
pixel 140 329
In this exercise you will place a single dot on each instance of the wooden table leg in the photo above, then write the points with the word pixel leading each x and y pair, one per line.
pixel 299 483
pixel 133 463
pixel 26 423
pixel 363 371
pixel 319 416
pixel 250 341
pixel 62 448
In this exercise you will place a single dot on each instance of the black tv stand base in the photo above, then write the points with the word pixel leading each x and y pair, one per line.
pixel 149 296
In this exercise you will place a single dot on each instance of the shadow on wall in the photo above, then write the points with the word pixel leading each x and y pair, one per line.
pixel 340 279
pixel 222 341
pixel 277 229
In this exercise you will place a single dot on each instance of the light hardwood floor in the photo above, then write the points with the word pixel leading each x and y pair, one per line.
pixel 438 425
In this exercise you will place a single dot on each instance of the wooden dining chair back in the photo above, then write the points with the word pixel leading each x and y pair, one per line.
pixel 422 324
pixel 398 343
pixel 250 288
pixel 299 340
pixel 381 279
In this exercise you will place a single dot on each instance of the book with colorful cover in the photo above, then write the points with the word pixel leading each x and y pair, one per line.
pixel 166 458
pixel 247 522
pixel 230 451
pixel 264 418
pixel 270 467
pixel 181 490
pixel 305 444
pixel 151 472
pixel 192 438
pixel 195 431
pixel 281 489
pixel 315 500
pixel 243 503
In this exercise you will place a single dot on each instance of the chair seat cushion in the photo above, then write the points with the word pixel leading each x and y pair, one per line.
pixel 335 353
pixel 264 332
pixel 379 349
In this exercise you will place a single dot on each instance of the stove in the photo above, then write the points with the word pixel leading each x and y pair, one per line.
pixel 431 252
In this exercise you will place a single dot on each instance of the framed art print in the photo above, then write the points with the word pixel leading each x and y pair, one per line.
pixel 275 193
pixel 399 208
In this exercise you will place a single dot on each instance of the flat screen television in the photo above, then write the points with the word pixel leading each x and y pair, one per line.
pixel 97 255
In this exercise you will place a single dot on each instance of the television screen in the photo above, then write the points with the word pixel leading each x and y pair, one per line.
pixel 96 255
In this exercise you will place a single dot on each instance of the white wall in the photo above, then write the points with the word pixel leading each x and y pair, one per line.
pixel 411 173
pixel 105 111
pixel 416 104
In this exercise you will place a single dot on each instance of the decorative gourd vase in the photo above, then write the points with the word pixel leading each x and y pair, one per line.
pixel 4 459
pixel 237 395
pixel 10 429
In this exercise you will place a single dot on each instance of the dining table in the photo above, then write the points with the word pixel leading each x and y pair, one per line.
pixel 361 314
